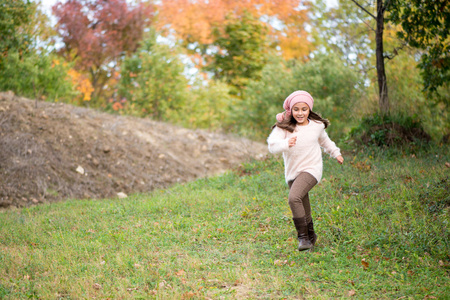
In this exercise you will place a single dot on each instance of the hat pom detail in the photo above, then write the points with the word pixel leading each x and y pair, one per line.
pixel 280 117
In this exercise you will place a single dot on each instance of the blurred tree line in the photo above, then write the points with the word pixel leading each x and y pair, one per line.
pixel 228 65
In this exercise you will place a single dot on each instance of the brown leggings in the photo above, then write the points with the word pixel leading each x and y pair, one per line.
pixel 298 195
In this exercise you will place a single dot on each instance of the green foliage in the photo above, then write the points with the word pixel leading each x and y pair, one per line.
pixel 390 131
pixel 426 25
pixel 263 99
pixel 207 106
pixel 242 51
pixel 334 86
pixel 405 89
pixel 343 30
pixel 152 81
pixel 14 14
pixel 232 237
pixel 36 76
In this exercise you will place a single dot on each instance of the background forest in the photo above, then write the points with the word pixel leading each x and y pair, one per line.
pixel 228 65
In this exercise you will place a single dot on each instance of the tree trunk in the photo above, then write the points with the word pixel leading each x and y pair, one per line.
pixel 383 100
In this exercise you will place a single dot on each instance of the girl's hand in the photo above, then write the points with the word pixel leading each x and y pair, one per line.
pixel 340 159
pixel 292 141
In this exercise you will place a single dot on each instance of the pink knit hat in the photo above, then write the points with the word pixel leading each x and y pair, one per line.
pixel 291 100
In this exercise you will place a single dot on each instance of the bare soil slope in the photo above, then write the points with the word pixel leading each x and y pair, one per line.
pixel 58 151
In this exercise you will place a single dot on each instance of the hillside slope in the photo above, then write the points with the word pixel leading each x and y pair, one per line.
pixel 57 151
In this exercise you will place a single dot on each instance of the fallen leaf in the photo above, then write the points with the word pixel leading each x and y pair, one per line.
pixel 188 295
pixel 364 263
pixel 351 293
pixel 96 286
pixel 180 273
pixel 447 164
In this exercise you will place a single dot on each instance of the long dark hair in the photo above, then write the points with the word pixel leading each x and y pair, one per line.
pixel 290 123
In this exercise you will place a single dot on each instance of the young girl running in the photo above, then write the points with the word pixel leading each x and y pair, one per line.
pixel 299 134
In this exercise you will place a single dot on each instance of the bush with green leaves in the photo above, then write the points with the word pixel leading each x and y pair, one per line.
pixel 408 98
pixel 390 131
pixel 14 15
pixel 207 106
pixel 334 86
pixel 152 81
pixel 37 75
pixel 263 99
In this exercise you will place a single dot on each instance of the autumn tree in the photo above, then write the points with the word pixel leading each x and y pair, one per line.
pixel 243 49
pixel 97 34
pixel 193 22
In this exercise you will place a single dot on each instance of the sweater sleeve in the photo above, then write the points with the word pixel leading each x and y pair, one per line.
pixel 277 141
pixel 328 145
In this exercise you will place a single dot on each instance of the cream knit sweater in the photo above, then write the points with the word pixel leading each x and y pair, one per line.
pixel 305 155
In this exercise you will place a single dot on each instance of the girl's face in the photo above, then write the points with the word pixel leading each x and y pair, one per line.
pixel 300 112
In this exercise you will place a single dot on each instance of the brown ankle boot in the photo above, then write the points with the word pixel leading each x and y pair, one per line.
pixel 311 233
pixel 304 242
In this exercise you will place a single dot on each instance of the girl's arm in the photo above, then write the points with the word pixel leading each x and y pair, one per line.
pixel 330 147
pixel 277 141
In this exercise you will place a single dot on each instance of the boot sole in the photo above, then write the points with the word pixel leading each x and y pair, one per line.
pixel 304 248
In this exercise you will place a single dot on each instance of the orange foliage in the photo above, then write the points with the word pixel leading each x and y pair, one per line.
pixel 193 20
pixel 117 106
pixel 82 84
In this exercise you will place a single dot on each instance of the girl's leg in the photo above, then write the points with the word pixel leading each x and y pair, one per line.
pixel 307 207
pixel 298 195
pixel 301 208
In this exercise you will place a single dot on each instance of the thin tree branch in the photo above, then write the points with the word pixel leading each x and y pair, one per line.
pixel 395 51
pixel 368 25
pixel 364 9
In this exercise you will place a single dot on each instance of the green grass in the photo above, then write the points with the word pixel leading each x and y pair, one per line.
pixel 382 223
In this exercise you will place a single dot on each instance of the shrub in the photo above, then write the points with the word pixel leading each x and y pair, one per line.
pixel 334 86
pixel 207 106
pixel 37 75
pixel 152 82
pixel 378 130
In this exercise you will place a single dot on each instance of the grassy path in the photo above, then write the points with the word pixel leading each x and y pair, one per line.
pixel 382 224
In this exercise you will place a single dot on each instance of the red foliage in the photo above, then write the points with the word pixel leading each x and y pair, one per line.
pixel 97 32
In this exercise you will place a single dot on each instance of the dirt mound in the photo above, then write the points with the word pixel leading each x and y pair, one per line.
pixel 56 151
